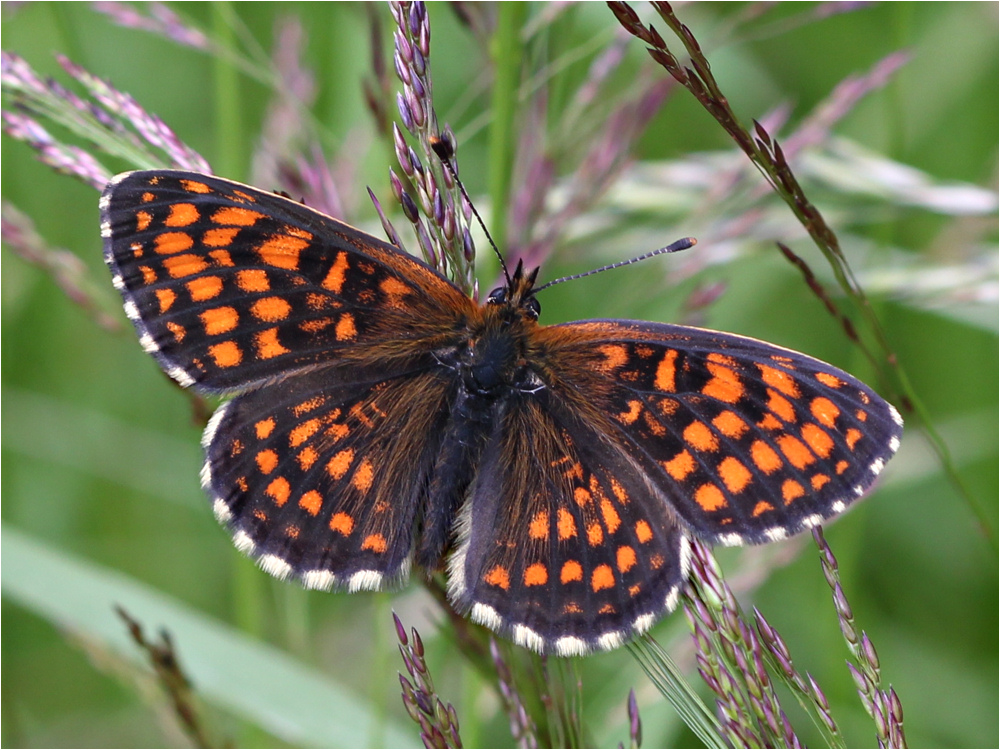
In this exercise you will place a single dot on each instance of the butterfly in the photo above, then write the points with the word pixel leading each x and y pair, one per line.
pixel 380 417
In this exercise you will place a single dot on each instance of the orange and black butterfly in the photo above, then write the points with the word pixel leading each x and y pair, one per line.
pixel 381 418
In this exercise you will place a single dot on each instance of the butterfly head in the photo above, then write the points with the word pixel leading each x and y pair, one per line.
pixel 518 293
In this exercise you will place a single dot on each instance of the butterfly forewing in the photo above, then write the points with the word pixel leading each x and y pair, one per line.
pixel 747 441
pixel 228 285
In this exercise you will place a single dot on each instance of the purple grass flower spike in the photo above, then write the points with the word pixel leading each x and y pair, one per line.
pixel 158 18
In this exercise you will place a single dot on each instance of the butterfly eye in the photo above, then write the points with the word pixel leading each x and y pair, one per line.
pixel 533 307
pixel 498 296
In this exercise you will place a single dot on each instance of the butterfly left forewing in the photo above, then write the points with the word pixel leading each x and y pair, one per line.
pixel 229 286
pixel 747 441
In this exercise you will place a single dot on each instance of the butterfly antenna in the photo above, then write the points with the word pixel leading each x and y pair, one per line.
pixel 674 247
pixel 445 151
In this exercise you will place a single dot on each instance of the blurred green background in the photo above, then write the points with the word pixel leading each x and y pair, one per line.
pixel 101 500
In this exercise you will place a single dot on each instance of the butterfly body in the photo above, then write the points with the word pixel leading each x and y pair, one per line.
pixel 381 417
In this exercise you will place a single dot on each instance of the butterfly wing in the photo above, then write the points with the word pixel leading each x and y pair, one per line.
pixel 563 546
pixel 229 286
pixel 321 476
pixel 747 442
pixel 328 335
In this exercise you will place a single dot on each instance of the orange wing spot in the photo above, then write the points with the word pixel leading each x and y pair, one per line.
pixel 825 411
pixel 177 330
pixel 137 249
pixel 226 354
pixel 536 575
pixel 376 543
pixel 241 482
pixel 656 562
pixel 498 576
pixel 204 288
pixel 653 425
pixel 294 231
pixel 770 422
pixel 607 609
pixel 337 466
pixel 611 518
pixel 595 534
pixel 260 515
pixel 861 415
pixel 195 187
pixel 169 243
pixel 818 440
pixel 282 251
pixel 830 381
pixel 630 416
pixel 864 398
pixel 264 428
pixel 334 280
pixel 730 425
pixel 338 431
pixel 148 276
pixel 602 578
pixel 142 220
pixel 842 466
pixel 346 330
pixel 819 481
pixel 292 532
pixel 219 320
pixel 307 406
pixel 795 451
pixel 268 345
pixel 667 406
pixel 307 457
pixel 643 532
pixel 780 406
pixel 311 502
pixel 852 436
pixel 220 237
pixel 279 491
pixel 565 524
pixel 253 280
pixel 236 216
pixel 184 265
pixel 148 197
pixel 270 309
pixel 364 476
pixel 710 497
pixel 341 522
pixel 762 507
pixel 221 258
pixel 181 215
pixel 582 496
pixel 735 475
pixel 764 457
pixel 633 591
pixel 725 384
pixel 166 298
pixel 539 526
pixel 571 571
pixel 780 380
pixel 267 461
pixel 615 355
pixel 700 437
pixel 395 290
pixel 791 490
pixel 315 326
pixel 618 491
pixel 666 372
pixel 303 432
pixel 626 559
pixel 680 465
pixel 572 608
pixel 236 448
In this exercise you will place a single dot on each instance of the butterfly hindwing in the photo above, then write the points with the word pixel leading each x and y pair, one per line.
pixel 321 476
pixel 562 545
pixel 748 442
pixel 228 285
